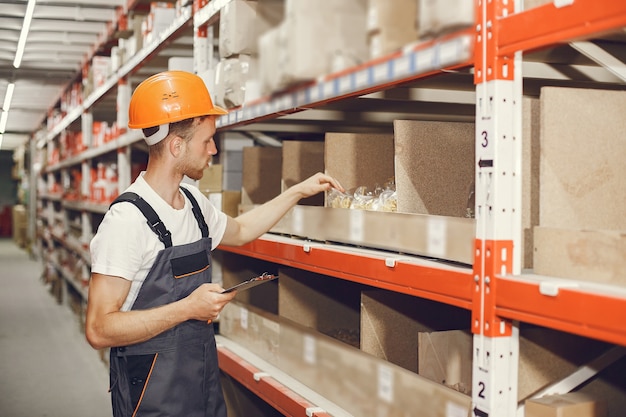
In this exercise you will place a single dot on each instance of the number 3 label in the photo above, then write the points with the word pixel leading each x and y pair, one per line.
pixel 485 141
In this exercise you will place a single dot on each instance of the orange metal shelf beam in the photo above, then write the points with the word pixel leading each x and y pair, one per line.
pixel 271 391
pixel 546 25
pixel 591 315
pixel 449 286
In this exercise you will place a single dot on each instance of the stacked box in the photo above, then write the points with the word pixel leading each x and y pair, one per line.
pixel 390 25
pixel 573 404
pixel 357 160
pixel 302 159
pixel 212 179
pixel 20 225
pixel 326 304
pixel 434 167
pixel 313 41
pixel 242 22
pixel 406 330
pixel 231 78
pixel 262 168
pixel 582 227
pixel 436 17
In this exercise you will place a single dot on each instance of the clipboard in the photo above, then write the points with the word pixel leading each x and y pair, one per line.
pixel 252 282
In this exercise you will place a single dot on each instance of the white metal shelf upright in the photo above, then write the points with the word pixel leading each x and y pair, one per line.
pixel 498 212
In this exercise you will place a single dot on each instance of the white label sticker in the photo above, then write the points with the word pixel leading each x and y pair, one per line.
pixel 309 350
pixel 562 3
pixel 357 223
pixel 455 410
pixel 385 383
pixel 436 237
pixel 243 318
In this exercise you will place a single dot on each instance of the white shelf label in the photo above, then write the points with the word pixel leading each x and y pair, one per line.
pixel 309 353
pixel 436 237
pixel 385 383
pixel 455 410
pixel 243 318
pixel 357 224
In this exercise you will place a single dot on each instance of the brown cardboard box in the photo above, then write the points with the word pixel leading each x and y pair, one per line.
pixel 326 304
pixel 359 159
pixel 228 201
pixel 589 255
pixel 434 167
pixel 443 358
pixel 583 185
pixel 572 404
pixel 390 25
pixel 530 176
pixel 211 181
pixel 391 322
pixel 301 159
pixel 262 168
pixel 582 169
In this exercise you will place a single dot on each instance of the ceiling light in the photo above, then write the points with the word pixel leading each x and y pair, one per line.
pixel 21 44
pixel 8 97
pixel 3 121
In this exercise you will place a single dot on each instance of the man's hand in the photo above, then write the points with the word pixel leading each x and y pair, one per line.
pixel 316 184
pixel 207 301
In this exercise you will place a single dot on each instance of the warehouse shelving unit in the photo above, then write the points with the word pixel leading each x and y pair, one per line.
pixel 495 290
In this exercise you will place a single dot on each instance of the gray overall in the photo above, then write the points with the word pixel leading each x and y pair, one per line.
pixel 174 374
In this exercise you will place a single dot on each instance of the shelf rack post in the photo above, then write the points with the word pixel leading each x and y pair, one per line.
pixel 498 212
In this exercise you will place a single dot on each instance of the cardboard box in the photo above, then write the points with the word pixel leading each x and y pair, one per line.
pixel 442 357
pixel 262 169
pixel 359 159
pixel 530 176
pixel 436 17
pixel 588 255
pixel 227 201
pixel 211 181
pixel 391 322
pixel 302 159
pixel 302 54
pixel 232 75
pixel 583 179
pixel 573 404
pixel 390 25
pixel 434 167
pixel 582 169
pixel 323 303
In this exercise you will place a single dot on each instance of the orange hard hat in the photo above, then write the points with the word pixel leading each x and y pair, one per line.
pixel 168 97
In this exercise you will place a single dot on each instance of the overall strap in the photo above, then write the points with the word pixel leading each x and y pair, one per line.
pixel 197 212
pixel 151 216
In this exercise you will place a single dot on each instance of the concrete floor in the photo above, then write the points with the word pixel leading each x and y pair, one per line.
pixel 46 366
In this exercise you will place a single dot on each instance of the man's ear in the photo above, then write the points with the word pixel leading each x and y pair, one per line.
pixel 175 146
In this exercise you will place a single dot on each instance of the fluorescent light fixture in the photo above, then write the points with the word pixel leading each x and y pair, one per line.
pixel 3 121
pixel 8 97
pixel 21 44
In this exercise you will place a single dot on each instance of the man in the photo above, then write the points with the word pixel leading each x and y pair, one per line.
pixel 150 295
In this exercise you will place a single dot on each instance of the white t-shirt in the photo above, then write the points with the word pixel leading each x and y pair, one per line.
pixel 125 246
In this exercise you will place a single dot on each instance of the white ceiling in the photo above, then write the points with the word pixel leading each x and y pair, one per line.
pixel 63 34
